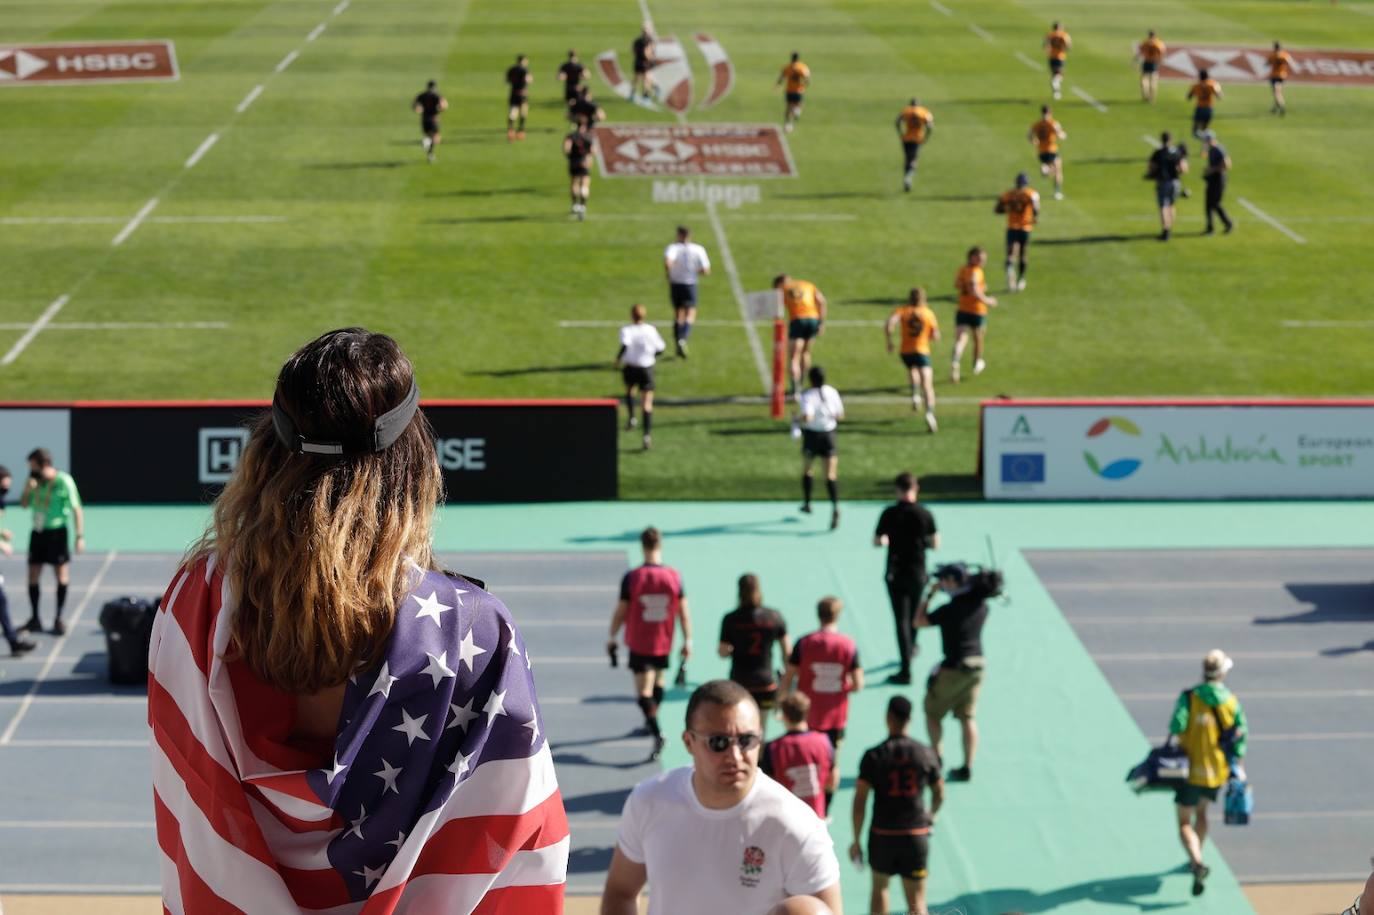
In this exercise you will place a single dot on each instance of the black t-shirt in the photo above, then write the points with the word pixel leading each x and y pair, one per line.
pixel 583 109
pixel 1164 163
pixel 641 50
pixel 580 149
pixel 752 632
pixel 899 770
pixel 961 626
pixel 572 75
pixel 429 102
pixel 909 527
pixel 1216 158
pixel 519 79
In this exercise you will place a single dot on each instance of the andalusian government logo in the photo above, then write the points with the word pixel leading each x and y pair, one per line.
pixel 1120 468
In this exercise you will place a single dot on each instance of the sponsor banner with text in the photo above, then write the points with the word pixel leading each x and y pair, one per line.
pixel 691 150
pixel 1085 449
pixel 1236 65
pixel 112 61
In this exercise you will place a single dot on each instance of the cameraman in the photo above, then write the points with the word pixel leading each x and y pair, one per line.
pixel 18 644
pixel 954 685
pixel 1166 168
pixel 53 497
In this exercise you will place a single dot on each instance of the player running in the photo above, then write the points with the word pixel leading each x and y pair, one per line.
pixel 640 346
pixel 518 78
pixel 643 51
pixel 796 76
pixel 684 261
pixel 571 74
pixel 651 600
pixel 972 316
pixel 1057 44
pixel 429 105
pixel 578 147
pixel 1046 134
pixel 1022 206
pixel 1150 53
pixel 1206 90
pixel 915 124
pixel 805 322
pixel 583 109
pixel 919 329
pixel 1280 65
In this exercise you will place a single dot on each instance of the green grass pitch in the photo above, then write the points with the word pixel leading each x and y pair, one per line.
pixel 472 263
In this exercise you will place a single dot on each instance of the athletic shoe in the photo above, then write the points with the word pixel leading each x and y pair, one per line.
pixel 1058 195
pixel 659 743
pixel 787 127
pixel 796 429
pixel 631 423
pixel 931 424
pixel 805 509
pixel 510 135
pixel 647 442
pixel 954 372
pixel 1209 231
pixel 961 774
pixel 1229 227
pixel 519 135
pixel 581 213
pixel 1164 235
pixel 1021 285
pixel 22 646
pixel 59 627
pixel 899 679
pixel 1200 872
pixel 906 183
pixel 835 519
pixel 33 625
pixel 978 367
pixel 1058 94
pixel 682 349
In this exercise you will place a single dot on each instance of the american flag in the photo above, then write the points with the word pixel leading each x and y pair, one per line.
pixel 439 795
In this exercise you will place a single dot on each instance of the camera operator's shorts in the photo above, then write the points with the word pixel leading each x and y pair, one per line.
pixel 954 689
pixel 49 548
pixel 1166 192
pixel 1189 795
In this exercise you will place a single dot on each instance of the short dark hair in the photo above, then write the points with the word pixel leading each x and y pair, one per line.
pixel 650 538
pixel 684 231
pixel 41 456
pixel 817 376
pixel 750 594
pixel 724 693
pixel 779 280
pixel 905 481
pixel 828 609
pixel 794 707
pixel 899 707
pixel 1165 137
pixel 1202 74
pixel 1044 109
pixel 431 84
pixel 795 56
pixel 974 251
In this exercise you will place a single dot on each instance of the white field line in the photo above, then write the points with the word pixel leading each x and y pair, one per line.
pixel 1165 585
pixel 134 223
pixel 287 61
pixel 941 8
pixel 127 325
pixel 343 5
pixel 1021 56
pixel 644 15
pixel 202 149
pixel 316 32
pixel 249 99
pixel 1078 91
pixel 1272 221
pixel 27 701
pixel 736 214
pixel 1327 324
pixel 1313 814
pixel 981 33
pixel 838 322
pixel 738 289
pixel 1151 142
pixel 34 329
pixel 1269 877
pixel 114 220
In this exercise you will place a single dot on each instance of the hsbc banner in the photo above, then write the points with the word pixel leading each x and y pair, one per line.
pixel 705 150
pixel 111 61
pixel 1233 64
pixel 1158 450
pixel 494 451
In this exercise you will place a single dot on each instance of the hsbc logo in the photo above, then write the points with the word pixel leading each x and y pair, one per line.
pixel 672 74
pixel 117 61
pixel 219 452
pixel 1239 65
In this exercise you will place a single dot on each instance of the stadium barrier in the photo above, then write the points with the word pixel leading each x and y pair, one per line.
pixel 1160 449
pixel 183 452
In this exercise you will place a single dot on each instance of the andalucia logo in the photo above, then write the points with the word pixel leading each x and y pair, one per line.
pixel 1120 468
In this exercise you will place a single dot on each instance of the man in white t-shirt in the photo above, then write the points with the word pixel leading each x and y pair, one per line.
pixel 683 261
pixel 716 837
pixel 821 411
pixel 640 344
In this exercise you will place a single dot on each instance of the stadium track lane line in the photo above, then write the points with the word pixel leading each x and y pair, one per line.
pixel 26 703
pixel 134 223
pixel 35 328
pixel 738 289
pixel 1079 91
pixel 711 322
pixel 1265 217
pixel 202 149
pixel 73 889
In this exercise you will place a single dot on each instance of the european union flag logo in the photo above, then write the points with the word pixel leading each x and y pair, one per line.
pixel 1023 468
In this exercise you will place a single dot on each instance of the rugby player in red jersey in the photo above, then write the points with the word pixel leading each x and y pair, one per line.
pixel 801 760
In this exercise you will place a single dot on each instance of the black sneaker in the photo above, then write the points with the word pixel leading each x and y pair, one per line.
pixel 1229 227
pixel 835 519
pixel 33 625
pixel 961 774
pixel 658 747
pixel 59 627
pixel 22 646
pixel 1200 872
pixel 805 509
pixel 899 679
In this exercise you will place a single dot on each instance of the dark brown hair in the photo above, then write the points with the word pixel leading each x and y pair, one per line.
pixel 750 594
pixel 794 707
pixel 828 610
pixel 724 693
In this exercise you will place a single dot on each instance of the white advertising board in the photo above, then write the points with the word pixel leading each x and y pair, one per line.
pixel 21 431
pixel 1154 450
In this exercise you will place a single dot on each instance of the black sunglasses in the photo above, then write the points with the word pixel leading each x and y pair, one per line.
pixel 719 743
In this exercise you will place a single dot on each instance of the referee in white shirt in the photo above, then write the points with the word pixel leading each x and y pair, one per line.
pixel 683 261
pixel 640 344
pixel 821 411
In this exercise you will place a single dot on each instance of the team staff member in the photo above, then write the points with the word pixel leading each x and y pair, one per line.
pixel 1046 134
pixel 53 497
pixel 821 412
pixel 805 306
pixel 954 686
pixel 651 599
pixel 919 328
pixel 747 636
pixel 1210 725
pixel 1280 65
pixel 972 316
pixel 1206 91
pixel 578 147
pixel 571 74
pixel 640 345
pixel 1022 206
pixel 1150 53
pixel 429 105
pixel 897 772
pixel 802 760
pixel 794 79
pixel 1166 168
pixel 18 644
pixel 518 78
pixel 642 49
pixel 1057 44
pixel 907 529
pixel 713 836
pixel 683 262
pixel 915 124
pixel 1218 166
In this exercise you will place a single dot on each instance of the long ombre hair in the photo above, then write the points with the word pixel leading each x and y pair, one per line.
pixel 314 547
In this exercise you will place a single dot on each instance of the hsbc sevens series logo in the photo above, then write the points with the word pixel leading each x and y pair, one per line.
pixel 1120 468
pixel 672 74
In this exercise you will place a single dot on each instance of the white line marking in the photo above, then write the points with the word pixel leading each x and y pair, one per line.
pixel 1272 221
pixel 249 99
pixel 1268 877
pixel 27 701
pixel 43 320
pixel 134 223
pixel 1327 323
pixel 128 325
pixel 738 289
pixel 1151 142
pixel 202 149
pixel 115 220
pixel 287 61
pixel 941 8
pixel 644 14
pixel 735 214
pixel 76 824
pixel 981 33
pixel 1078 91
pixel 711 322
pixel 1027 61
pixel 316 32
pixel 343 5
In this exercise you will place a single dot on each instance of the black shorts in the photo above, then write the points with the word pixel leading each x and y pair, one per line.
pixel 637 376
pixel 1202 116
pixel 916 360
pixel 835 735
pixel 684 295
pixel 766 698
pixel 578 170
pixel 642 662
pixel 1191 795
pixel 1018 236
pixel 518 99
pixel 1056 65
pixel 1148 66
pixel 819 444
pixel 1047 158
pixel 642 65
pixel 794 98
pixel 911 149
pixel 969 319
pixel 905 856
pixel 429 126
pixel 49 548
pixel 1277 80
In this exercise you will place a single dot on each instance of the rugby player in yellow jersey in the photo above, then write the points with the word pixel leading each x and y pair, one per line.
pixel 1206 90
pixel 805 322
pixel 1046 134
pixel 1057 44
pixel 796 76
pixel 1150 53
pixel 919 330
pixel 915 124
pixel 1280 65
pixel 972 316
pixel 1022 206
